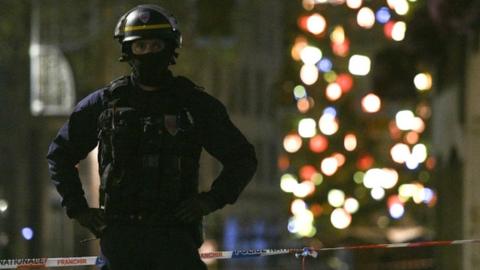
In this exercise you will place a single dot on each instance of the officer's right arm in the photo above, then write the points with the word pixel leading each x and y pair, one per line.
pixel 74 141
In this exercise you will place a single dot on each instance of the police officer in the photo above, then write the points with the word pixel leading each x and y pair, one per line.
pixel 150 127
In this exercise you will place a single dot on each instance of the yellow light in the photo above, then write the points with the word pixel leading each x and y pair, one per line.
pixel 328 124
pixel 316 24
pixel 351 205
pixel 338 35
pixel 407 190
pixel 359 65
pixel 354 4
pixel 398 31
pixel 340 218
pixel 288 183
pixel 329 166
pixel 400 153
pixel 307 231
pixel 307 128
pixel 330 76
pixel 292 143
pixel 366 18
pixel 300 43
pixel 371 103
pixel 350 142
pixel 419 194
pixel 317 179
pixel 336 197
pixel 310 55
pixel 298 206
pixel 333 91
pixel 423 81
pixel 309 74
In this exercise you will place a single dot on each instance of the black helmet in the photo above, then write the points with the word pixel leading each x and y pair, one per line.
pixel 147 21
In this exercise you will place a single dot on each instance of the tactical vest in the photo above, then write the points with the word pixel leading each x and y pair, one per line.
pixel 148 158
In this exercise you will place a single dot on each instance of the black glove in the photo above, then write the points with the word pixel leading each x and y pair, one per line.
pixel 194 208
pixel 93 219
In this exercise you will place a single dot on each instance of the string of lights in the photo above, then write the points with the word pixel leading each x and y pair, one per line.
pixel 331 167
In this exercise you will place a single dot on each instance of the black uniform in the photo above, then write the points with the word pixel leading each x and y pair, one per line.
pixel 149 149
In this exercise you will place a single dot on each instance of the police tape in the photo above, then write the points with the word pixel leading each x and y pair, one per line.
pixel 233 254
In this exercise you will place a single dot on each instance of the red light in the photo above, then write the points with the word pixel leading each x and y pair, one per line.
pixel 302 22
pixel 307 171
pixel 341 49
pixel 318 143
pixel 388 29
pixel 345 81
pixel 316 209
pixel 283 162
pixel 393 199
pixel 365 162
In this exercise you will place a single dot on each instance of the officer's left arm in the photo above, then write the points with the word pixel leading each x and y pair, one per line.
pixel 224 141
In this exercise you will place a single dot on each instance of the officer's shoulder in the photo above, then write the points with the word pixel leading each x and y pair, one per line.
pixel 91 100
pixel 187 84
pixel 118 83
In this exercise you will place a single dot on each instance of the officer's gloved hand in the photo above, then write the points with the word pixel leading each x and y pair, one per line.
pixel 194 208
pixel 93 219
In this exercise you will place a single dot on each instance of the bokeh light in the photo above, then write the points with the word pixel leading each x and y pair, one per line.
pixel 27 233
pixel 340 218
pixel 383 15
pixel 354 4
pixel 366 18
pixel 371 103
pixel 288 183
pixel 333 91
pixel 329 166
pixel 318 143
pixel 351 205
pixel 309 74
pixel 316 24
pixel 307 127
pixel 336 197
pixel 292 143
pixel 310 55
pixel 398 31
pixel 299 92
pixel 350 142
pixel 328 124
pixel 359 65
pixel 423 81
pixel 325 65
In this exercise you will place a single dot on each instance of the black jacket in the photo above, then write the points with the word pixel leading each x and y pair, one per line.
pixel 212 127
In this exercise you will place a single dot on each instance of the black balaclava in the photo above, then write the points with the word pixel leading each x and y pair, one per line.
pixel 150 69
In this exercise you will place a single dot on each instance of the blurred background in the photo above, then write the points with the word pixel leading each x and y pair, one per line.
pixel 364 116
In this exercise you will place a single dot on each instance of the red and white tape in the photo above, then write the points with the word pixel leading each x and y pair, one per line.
pixel 234 254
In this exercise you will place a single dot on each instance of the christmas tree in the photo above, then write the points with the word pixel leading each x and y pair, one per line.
pixel 356 145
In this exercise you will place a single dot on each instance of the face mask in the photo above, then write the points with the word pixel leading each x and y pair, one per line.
pixel 149 68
